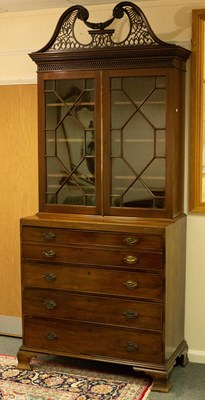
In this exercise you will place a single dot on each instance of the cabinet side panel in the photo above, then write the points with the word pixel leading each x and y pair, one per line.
pixel 178 162
pixel 175 285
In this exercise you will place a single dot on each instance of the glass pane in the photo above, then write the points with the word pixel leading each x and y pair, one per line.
pixel 119 99
pixel 138 196
pixel 116 149
pixel 123 176
pixel 70 141
pixel 161 82
pixel 160 143
pixel 154 174
pixel 50 143
pixel 138 141
pixel 49 85
pixel 138 88
pixel 154 108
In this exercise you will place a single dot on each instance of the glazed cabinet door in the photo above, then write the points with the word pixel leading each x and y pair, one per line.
pixel 111 142
pixel 69 142
pixel 139 151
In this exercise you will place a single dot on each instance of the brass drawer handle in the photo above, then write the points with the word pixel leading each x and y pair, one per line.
pixel 131 284
pixel 129 314
pixel 131 259
pixel 131 241
pixel 131 346
pixel 50 304
pixel 49 253
pixel 51 335
pixel 49 276
pixel 48 235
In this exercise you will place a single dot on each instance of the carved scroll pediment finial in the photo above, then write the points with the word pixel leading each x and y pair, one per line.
pixel 101 33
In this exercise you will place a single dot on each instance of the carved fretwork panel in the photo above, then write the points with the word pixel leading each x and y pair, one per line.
pixel 139 34
pixel 139 48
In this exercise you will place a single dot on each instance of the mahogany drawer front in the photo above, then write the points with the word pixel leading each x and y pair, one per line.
pixel 110 311
pixel 93 280
pixel 99 238
pixel 93 340
pixel 92 256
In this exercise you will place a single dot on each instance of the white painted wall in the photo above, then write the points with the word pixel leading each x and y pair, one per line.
pixel 23 32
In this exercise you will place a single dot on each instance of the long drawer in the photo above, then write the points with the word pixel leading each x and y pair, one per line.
pixel 93 280
pixel 133 314
pixel 93 340
pixel 92 256
pixel 72 236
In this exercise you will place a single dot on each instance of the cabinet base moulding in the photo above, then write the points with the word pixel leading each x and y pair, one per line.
pixel 159 374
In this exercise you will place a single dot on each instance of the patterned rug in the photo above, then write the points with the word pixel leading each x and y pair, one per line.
pixel 59 379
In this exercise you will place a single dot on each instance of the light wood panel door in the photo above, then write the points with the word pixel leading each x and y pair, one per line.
pixel 18 185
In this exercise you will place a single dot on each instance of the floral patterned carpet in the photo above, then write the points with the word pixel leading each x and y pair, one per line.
pixel 50 380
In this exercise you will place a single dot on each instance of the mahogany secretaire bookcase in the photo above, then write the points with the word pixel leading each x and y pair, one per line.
pixel 103 262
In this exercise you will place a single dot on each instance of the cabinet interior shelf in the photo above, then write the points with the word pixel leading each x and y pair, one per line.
pixel 72 140
pixel 117 103
pixel 125 177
